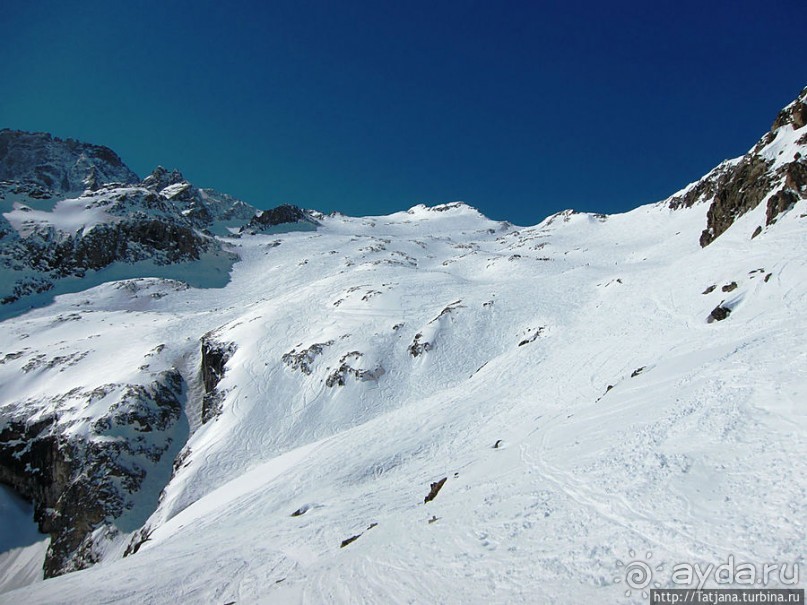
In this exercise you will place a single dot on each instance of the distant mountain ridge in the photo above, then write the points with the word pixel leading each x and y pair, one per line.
pixel 53 166
pixel 68 208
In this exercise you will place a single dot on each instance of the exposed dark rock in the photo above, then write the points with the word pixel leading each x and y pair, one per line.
pixel 301 511
pixel 778 203
pixel 757 231
pixel 349 540
pixel 138 539
pixel 719 313
pixel 446 207
pixel 162 237
pixel 417 347
pixel 435 489
pixel 51 166
pixel 735 193
pixel 636 372
pixel 164 219
pixel 339 376
pixel 729 287
pixel 281 215
pixel 498 444
pixel 160 178
pixel 172 187
pixel 302 360
pixel 30 284
pixel 215 355
pixel 794 114
pixel 795 176
pixel 710 289
pixel 447 311
pixel 80 483
pixel 532 336
pixel 736 187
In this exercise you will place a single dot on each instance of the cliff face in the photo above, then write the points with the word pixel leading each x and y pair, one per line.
pixel 47 166
pixel 215 355
pixel 773 172
pixel 84 485
pixel 119 224
pixel 69 208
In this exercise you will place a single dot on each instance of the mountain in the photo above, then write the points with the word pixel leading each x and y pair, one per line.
pixel 774 171
pixel 43 166
pixel 428 406
pixel 73 214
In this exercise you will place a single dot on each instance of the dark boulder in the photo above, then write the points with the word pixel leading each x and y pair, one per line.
pixel 435 489
pixel 719 313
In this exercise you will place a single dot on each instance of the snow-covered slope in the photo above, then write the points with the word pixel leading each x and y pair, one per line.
pixel 589 388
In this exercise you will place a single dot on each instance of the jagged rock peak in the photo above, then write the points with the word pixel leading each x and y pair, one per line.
pixel 59 165
pixel 160 178
pixel 794 114
pixel 281 215
pixel 774 171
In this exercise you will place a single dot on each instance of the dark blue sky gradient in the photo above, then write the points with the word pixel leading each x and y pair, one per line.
pixel 520 109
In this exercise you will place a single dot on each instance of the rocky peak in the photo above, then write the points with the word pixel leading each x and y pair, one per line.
pixel 283 214
pixel 160 178
pixel 794 114
pixel 58 166
pixel 774 171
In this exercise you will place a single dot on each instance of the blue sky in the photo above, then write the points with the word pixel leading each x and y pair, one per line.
pixel 520 109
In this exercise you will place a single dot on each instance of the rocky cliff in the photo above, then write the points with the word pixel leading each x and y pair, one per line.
pixel 44 166
pixel 87 487
pixel 69 208
pixel 773 172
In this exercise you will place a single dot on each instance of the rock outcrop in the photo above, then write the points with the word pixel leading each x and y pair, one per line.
pixel 285 214
pixel 775 171
pixel 140 226
pixel 71 207
pixel 44 166
pixel 86 486
pixel 215 355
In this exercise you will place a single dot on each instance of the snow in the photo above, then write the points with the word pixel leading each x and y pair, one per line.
pixel 695 452
pixel 19 528
pixel 22 566
pixel 212 270
pixel 22 547
pixel 68 216
pixel 784 145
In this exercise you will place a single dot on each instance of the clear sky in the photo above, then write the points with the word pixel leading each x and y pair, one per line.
pixel 518 108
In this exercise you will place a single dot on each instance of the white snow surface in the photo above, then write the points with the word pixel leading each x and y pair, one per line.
pixel 69 216
pixel 696 452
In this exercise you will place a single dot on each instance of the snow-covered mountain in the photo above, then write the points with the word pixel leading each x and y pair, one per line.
pixel 428 406
pixel 74 215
